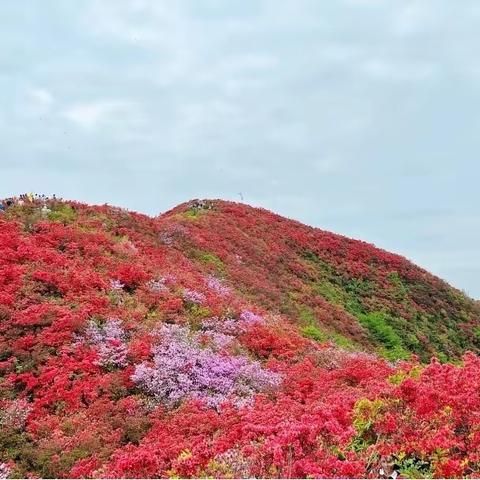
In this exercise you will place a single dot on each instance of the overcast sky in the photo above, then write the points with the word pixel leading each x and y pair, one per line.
pixel 357 116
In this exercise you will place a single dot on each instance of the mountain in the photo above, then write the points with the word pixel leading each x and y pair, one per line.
pixel 222 340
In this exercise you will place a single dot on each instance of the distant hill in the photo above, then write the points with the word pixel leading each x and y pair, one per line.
pixel 222 340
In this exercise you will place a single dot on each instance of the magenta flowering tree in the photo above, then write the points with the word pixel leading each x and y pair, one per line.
pixel 109 340
pixel 193 296
pixel 248 319
pixel 116 285
pixel 226 326
pixel 232 462
pixel 5 471
pixel 221 331
pixel 232 326
pixel 182 370
pixel 217 286
pixel 172 233
pixel 157 285
pixel 13 414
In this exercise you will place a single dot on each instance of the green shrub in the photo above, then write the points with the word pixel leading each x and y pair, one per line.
pixel 329 291
pixel 192 214
pixel 62 213
pixel 476 332
pixel 342 341
pixel 380 330
pixel 411 466
pixel 365 413
pixel 210 259
pixel 398 290
pixel 306 314
pixel 311 331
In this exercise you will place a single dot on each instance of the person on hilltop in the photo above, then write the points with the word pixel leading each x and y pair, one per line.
pixel 45 211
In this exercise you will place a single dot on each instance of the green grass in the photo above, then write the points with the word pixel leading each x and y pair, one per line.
pixel 311 331
pixel 210 259
pixel 398 290
pixel 62 213
pixel 377 324
pixel 192 214
pixel 306 314
pixel 476 332
pixel 343 342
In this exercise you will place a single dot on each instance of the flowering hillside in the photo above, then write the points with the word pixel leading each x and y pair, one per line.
pixel 225 341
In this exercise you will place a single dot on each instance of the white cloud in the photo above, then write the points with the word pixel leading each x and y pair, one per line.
pixel 90 115
pixel 145 23
pixel 414 17
pixel 40 96
pixel 387 69
pixel 364 3
pixel 327 165
pixel 250 62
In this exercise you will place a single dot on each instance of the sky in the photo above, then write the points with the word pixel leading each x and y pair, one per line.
pixel 356 116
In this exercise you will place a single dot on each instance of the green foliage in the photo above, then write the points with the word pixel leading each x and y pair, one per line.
pixel 359 287
pixel 197 312
pixel 365 413
pixel 336 289
pixel 396 330
pixel 412 466
pixel 342 341
pixel 400 376
pixel 193 213
pixel 381 331
pixel 107 221
pixel 476 332
pixel 306 314
pixel 442 357
pixel 135 430
pixel 210 259
pixel 330 291
pixel 115 297
pixel 28 215
pixel 311 331
pixel 62 213
pixel 411 341
pixel 398 290
pixel 16 445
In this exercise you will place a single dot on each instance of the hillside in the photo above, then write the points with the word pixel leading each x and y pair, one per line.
pixel 355 294
pixel 223 340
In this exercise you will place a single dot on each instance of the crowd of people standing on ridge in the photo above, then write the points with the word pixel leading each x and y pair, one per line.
pixel 26 199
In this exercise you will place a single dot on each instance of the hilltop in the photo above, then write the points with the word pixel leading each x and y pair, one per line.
pixel 223 340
